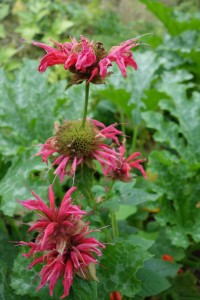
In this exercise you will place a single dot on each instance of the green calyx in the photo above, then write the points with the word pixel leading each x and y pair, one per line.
pixel 74 140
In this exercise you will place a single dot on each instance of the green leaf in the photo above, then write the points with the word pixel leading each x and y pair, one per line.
pixel 118 268
pixel 125 211
pixel 130 195
pixel 24 106
pixel 119 97
pixel 8 250
pixel 140 241
pixel 163 246
pixel 5 291
pixel 153 276
pixel 60 26
pixel 166 15
pixel 25 282
pixel 152 283
pixel 184 287
pixel 161 267
pixel 83 289
pixel 4 10
pixel 25 169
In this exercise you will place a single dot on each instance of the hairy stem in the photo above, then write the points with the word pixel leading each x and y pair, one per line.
pixel 87 85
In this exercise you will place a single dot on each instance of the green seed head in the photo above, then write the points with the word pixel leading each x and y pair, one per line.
pixel 74 140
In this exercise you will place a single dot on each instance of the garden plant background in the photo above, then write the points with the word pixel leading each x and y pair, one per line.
pixel 151 227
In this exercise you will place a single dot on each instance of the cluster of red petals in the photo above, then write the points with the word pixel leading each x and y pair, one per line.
pixel 125 165
pixel 103 153
pixel 82 56
pixel 115 296
pixel 62 245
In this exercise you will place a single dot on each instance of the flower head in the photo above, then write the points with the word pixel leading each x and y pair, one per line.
pixel 62 242
pixel 88 60
pixel 125 166
pixel 74 145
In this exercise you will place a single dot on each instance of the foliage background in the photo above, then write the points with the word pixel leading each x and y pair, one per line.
pixel 160 107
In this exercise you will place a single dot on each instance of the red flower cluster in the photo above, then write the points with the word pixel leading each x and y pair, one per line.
pixel 88 60
pixel 62 238
pixel 75 145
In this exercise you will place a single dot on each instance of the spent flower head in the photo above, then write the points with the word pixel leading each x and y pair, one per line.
pixel 62 245
pixel 74 145
pixel 87 60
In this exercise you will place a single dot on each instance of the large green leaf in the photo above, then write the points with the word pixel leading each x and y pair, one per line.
pixel 128 194
pixel 152 283
pixel 167 16
pixel 119 97
pixel 25 282
pixel 154 276
pixel 184 287
pixel 6 293
pixel 25 169
pixel 83 289
pixel 118 268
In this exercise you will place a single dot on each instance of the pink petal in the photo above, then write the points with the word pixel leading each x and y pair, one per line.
pixel 68 278
pixel 48 232
pixel 47 48
pixel 103 66
pixel 38 225
pixel 67 196
pixel 51 198
pixel 36 261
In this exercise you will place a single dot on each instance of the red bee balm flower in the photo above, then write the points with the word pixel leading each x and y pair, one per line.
pixel 76 145
pixel 115 296
pixel 124 166
pixel 62 237
pixel 88 60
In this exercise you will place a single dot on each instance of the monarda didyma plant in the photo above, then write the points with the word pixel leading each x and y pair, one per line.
pixel 63 243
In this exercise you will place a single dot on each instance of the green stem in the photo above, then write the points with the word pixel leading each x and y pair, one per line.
pixel 87 85
pixel 134 139
pixel 114 225
pixel 122 121
pixel 109 190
